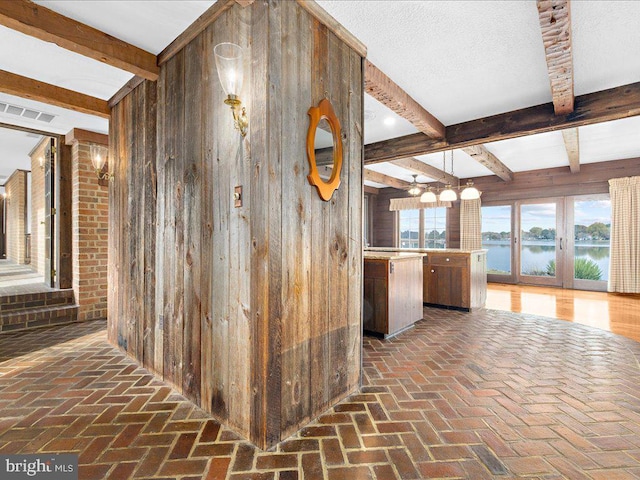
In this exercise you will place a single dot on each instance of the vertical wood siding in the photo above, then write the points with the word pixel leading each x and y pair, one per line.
pixel 252 312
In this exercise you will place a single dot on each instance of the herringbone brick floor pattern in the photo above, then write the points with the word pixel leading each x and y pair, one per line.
pixel 462 395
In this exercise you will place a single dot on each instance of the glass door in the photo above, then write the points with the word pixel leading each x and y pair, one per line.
pixel 591 225
pixel 497 241
pixel 541 244
pixel 561 242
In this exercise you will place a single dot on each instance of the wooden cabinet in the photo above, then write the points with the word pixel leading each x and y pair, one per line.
pixel 455 279
pixel 392 292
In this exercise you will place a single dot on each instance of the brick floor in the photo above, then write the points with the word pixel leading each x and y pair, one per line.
pixel 482 395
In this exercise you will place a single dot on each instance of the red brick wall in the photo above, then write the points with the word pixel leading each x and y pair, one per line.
pixel 90 218
pixel 16 189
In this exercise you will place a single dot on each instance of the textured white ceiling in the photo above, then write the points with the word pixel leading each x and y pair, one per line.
pixel 461 60
pixel 610 141
pixel 606 44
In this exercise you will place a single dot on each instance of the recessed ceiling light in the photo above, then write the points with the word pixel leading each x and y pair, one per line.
pixel 389 121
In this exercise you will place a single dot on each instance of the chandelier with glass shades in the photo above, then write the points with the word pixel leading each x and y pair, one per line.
pixel 446 194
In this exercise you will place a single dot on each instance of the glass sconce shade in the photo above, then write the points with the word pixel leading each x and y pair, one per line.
pixel 428 197
pixel 448 195
pixel 98 156
pixel 229 64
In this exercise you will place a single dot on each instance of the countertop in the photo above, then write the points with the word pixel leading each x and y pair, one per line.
pixel 421 250
pixel 391 255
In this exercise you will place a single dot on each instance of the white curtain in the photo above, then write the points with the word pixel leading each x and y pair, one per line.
pixel 470 224
pixel 624 264
pixel 413 203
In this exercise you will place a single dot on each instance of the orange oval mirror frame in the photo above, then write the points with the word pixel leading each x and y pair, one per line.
pixel 316 114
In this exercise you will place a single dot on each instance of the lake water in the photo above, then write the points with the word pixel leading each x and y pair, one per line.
pixel 536 255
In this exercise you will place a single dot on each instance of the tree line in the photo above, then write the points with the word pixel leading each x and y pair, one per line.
pixel 595 231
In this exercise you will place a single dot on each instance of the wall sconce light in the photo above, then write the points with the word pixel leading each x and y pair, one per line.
pixel 41 162
pixel 229 64
pixel 99 155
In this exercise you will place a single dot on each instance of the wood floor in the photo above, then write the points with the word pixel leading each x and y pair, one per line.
pixel 617 313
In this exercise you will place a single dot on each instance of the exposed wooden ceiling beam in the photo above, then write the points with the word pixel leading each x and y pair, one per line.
pixel 40 22
pixel 61 97
pixel 483 156
pixel 244 3
pixel 371 190
pixel 422 168
pixel 611 104
pixel 572 144
pixel 383 89
pixel 402 147
pixel 376 177
pixel 555 23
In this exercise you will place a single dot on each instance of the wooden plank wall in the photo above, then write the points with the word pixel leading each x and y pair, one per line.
pixel 383 222
pixel 248 310
pixel 308 263
pixel 593 178
pixel 551 182
pixel 132 209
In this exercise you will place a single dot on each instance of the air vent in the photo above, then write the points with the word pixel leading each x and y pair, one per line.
pixel 45 117
pixel 26 113
pixel 13 110
pixel 30 114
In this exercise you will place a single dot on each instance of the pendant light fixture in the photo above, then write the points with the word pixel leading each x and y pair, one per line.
pixel 428 196
pixel 470 192
pixel 415 189
pixel 448 194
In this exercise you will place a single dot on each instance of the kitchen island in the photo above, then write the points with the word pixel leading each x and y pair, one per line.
pixel 452 278
pixel 392 291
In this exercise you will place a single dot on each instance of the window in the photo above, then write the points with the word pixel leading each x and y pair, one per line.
pixel 423 228
pixel 496 238
pixel 591 230
pixel 435 227
pixel 409 228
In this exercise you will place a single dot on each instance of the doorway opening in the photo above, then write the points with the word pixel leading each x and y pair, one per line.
pixel 30 254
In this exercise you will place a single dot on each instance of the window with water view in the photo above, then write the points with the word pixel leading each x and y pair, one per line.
pixel 592 228
pixel 410 228
pixel 538 251
pixel 432 230
pixel 496 238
